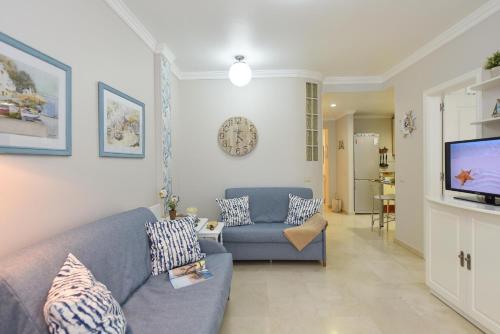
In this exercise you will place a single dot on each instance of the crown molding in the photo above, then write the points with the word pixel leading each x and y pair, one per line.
pixel 353 80
pixel 468 22
pixel 256 74
pixel 122 10
pixel 374 116
pixel 337 116
pixel 204 75
pixel 306 74
pixel 163 49
pixel 176 71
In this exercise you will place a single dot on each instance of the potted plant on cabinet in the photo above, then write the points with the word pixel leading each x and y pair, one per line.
pixel 172 205
pixel 170 202
pixel 493 64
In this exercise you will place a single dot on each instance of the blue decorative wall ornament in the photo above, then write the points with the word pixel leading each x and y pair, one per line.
pixel 166 133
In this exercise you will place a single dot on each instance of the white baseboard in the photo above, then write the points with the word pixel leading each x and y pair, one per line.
pixel 409 248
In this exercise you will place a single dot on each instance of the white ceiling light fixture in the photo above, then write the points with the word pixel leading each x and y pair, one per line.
pixel 240 73
pixel 333 105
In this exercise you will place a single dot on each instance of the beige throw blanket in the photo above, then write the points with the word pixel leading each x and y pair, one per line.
pixel 301 236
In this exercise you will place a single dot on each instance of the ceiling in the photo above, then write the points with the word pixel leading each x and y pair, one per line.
pixel 364 104
pixel 334 37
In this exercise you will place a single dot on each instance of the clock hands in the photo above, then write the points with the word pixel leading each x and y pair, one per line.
pixel 238 137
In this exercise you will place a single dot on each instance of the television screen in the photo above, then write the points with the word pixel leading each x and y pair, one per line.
pixel 473 166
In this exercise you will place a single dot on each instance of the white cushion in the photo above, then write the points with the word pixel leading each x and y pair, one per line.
pixel 301 209
pixel 235 211
pixel 77 303
pixel 173 243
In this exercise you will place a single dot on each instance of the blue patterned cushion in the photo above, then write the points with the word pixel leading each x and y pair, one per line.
pixel 301 209
pixel 173 243
pixel 77 303
pixel 235 211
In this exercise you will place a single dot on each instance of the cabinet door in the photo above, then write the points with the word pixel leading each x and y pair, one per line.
pixel 485 278
pixel 443 269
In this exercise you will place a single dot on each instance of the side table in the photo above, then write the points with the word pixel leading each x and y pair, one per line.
pixel 215 234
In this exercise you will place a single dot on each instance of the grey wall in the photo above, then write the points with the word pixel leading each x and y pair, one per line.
pixel 203 170
pixel 465 53
pixel 40 195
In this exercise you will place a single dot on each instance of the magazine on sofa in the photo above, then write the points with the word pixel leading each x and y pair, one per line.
pixel 189 274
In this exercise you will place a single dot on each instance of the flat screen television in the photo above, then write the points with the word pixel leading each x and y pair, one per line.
pixel 473 166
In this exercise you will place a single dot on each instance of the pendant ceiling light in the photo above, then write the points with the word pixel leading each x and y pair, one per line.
pixel 240 73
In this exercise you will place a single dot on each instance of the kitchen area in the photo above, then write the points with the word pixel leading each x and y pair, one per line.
pixel 374 175
pixel 360 150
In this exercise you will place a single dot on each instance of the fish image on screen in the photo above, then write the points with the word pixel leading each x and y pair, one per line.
pixel 474 166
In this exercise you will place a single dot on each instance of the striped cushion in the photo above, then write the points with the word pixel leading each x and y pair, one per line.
pixel 235 211
pixel 301 209
pixel 173 243
pixel 77 303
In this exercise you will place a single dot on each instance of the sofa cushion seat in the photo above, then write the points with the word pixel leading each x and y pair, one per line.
pixel 156 307
pixel 259 233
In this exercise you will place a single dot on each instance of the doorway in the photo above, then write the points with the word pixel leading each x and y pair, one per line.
pixel 346 114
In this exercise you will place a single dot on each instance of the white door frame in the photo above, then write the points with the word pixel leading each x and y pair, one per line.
pixel 432 132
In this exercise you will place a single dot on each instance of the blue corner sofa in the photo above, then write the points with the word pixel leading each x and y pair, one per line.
pixel 116 250
pixel 264 240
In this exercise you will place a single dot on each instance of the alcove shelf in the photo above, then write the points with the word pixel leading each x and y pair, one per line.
pixel 486 120
pixel 487 84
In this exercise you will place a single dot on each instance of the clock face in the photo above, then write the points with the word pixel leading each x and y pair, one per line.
pixel 237 136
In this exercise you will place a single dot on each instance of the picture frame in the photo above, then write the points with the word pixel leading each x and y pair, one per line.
pixel 496 110
pixel 121 124
pixel 35 101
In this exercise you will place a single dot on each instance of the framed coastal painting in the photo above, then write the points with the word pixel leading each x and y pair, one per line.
pixel 121 124
pixel 35 101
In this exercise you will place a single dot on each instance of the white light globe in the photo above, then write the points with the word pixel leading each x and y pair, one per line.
pixel 240 74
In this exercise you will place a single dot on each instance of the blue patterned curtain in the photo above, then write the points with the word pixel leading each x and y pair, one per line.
pixel 166 135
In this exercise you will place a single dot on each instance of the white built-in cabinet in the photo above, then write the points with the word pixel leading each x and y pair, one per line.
pixel 462 239
pixel 463 259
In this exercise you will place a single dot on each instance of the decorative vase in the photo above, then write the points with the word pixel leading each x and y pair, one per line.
pixel 172 214
pixel 494 72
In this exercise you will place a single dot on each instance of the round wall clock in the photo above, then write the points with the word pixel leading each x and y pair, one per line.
pixel 237 136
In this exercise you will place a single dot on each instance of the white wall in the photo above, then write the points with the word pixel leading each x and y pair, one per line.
pixel 332 154
pixel 203 170
pixel 465 53
pixel 344 131
pixel 460 110
pixel 40 195
pixel 382 126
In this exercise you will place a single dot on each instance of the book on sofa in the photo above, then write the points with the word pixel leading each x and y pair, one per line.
pixel 189 274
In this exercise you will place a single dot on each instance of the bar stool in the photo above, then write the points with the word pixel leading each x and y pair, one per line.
pixel 384 217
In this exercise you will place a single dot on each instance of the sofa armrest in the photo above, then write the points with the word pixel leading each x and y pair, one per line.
pixel 323 216
pixel 211 247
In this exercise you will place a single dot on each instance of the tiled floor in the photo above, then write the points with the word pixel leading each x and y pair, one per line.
pixel 370 286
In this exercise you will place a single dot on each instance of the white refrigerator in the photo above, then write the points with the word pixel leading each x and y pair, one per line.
pixel 366 169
